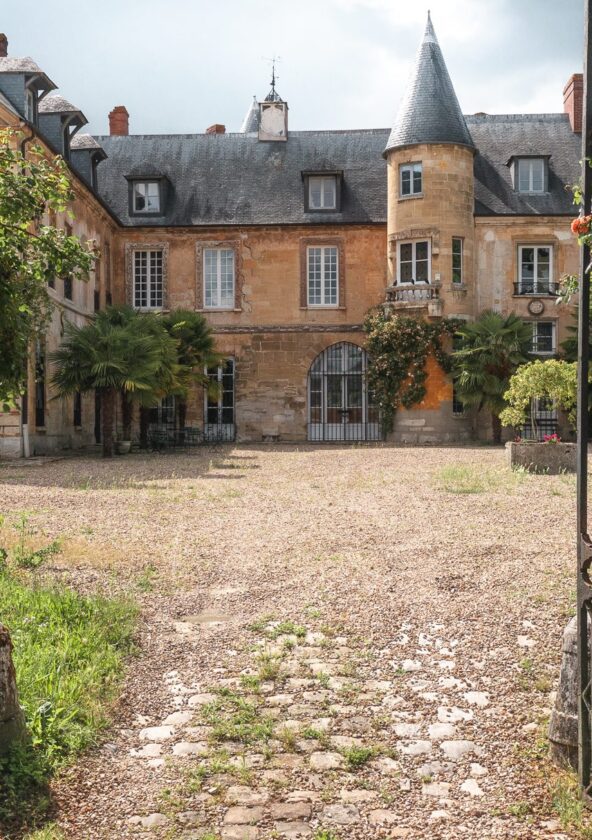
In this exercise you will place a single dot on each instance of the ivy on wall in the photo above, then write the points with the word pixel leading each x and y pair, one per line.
pixel 398 349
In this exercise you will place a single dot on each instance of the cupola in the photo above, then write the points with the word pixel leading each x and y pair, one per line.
pixel 273 115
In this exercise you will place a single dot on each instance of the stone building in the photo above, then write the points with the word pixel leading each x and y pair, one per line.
pixel 284 240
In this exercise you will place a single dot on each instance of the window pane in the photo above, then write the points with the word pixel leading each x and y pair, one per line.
pixel 330 276
pixel 329 193
pixel 417 178
pixel 421 250
pixel 406 252
pixel 405 181
pixel 421 271
pixel 314 193
pixel 406 272
pixel 524 175
pixel 314 276
pixel 537 175
pixel 140 279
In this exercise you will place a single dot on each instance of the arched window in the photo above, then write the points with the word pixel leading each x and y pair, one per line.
pixel 340 406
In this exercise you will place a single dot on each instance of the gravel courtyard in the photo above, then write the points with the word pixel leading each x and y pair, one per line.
pixel 335 642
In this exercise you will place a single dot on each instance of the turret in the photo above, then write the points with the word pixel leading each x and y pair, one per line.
pixel 430 225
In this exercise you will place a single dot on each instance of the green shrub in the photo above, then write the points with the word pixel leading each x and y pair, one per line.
pixel 68 655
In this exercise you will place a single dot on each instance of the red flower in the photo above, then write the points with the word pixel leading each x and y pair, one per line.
pixel 581 225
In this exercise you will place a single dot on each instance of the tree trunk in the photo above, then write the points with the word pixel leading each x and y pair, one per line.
pixel 12 719
pixel 182 414
pixel 144 417
pixel 127 416
pixel 108 412
pixel 496 428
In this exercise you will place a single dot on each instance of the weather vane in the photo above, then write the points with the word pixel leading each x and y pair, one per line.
pixel 273 94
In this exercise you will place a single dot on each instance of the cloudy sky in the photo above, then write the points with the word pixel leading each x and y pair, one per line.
pixel 180 65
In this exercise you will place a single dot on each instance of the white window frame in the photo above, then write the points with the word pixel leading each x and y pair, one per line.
pixel 535 281
pixel 154 293
pixel 147 211
pixel 414 243
pixel 216 374
pixel 323 182
pixel 214 296
pixel 30 100
pixel 553 349
pixel 529 162
pixel 462 261
pixel 326 301
pixel 411 168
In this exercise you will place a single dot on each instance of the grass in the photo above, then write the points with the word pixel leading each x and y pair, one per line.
pixel 468 478
pixel 325 834
pixel 269 667
pixel 356 757
pixel 318 735
pixel 49 832
pixel 235 719
pixel 68 655
pixel 568 805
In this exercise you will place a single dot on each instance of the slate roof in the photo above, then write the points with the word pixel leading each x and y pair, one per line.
pixel 250 123
pixel 19 65
pixel 84 141
pixel 235 179
pixel 56 104
pixel 502 136
pixel 429 112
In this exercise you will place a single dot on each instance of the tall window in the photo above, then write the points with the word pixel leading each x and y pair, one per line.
pixel 218 278
pixel 77 409
pixel 322 192
pixel 148 279
pixel 39 384
pixel 413 265
pixel 323 275
pixel 535 271
pixel 457 260
pixel 531 175
pixel 219 407
pixel 410 175
pixel 543 337
pixel 68 285
pixel 146 197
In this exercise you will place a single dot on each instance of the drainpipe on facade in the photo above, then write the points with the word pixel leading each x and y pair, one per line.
pixel 24 413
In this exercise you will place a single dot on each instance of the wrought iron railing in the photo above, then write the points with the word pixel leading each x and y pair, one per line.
pixel 412 294
pixel 531 287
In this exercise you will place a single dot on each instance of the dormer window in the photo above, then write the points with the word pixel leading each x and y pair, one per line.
pixel 322 191
pixel 146 197
pixel 530 175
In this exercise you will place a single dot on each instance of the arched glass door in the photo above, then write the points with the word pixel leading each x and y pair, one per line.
pixel 339 404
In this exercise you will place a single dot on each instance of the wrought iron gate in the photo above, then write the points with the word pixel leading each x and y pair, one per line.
pixel 340 406
pixel 584 543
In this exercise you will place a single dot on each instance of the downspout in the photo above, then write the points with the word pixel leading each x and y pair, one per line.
pixel 24 413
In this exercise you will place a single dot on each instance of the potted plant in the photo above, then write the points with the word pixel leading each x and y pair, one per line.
pixel 555 381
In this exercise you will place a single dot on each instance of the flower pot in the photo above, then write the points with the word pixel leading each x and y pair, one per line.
pixel 124 447
pixel 548 458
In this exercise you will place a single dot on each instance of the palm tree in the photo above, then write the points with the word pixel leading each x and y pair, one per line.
pixel 116 352
pixel 195 353
pixel 487 353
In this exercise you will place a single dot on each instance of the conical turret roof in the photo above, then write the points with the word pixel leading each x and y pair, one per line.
pixel 429 112
pixel 251 121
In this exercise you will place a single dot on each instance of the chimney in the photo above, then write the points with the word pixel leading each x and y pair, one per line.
pixel 3 45
pixel 573 97
pixel 119 121
pixel 216 129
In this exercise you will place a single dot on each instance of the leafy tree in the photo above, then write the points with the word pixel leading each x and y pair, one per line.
pixel 552 380
pixel 489 351
pixel 117 352
pixel 31 253
pixel 195 353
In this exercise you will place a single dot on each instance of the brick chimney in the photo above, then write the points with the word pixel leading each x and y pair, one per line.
pixel 216 129
pixel 3 45
pixel 119 121
pixel 573 98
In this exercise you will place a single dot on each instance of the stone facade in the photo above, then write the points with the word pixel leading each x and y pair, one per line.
pixel 248 195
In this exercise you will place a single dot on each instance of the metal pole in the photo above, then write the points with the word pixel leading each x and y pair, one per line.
pixel 584 545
